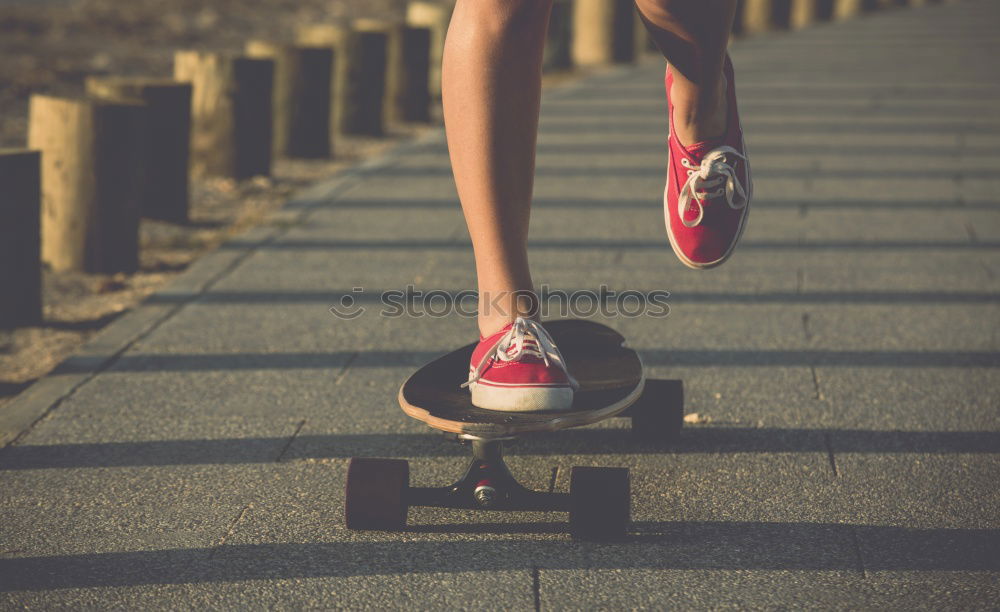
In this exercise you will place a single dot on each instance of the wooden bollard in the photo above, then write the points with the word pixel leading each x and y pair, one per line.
pixel 763 15
pixel 358 76
pixel 846 9
pixel 559 38
pixel 434 15
pixel 92 177
pixel 803 14
pixel 603 32
pixel 407 93
pixel 20 235
pixel 301 97
pixel 642 41
pixel 166 156
pixel 230 113
pixel 755 16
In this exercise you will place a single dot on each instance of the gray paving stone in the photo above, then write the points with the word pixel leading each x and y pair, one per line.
pixel 913 397
pixel 843 366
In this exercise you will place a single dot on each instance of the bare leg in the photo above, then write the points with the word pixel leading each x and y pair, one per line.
pixel 693 35
pixel 491 86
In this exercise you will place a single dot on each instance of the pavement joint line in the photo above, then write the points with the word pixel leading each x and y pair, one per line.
pixel 828 442
pixel 857 552
pixel 343 370
pixel 232 529
pixel 536 587
pixel 815 379
pixel 288 444
pixel 973 238
pixel 989 271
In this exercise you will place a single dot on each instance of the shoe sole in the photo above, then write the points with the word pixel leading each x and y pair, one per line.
pixel 521 398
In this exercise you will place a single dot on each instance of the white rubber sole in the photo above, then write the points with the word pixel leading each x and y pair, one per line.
pixel 518 398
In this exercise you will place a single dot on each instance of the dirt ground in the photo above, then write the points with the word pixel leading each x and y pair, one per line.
pixel 50 46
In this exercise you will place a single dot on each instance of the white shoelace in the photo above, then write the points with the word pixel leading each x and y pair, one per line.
pixel 525 337
pixel 715 177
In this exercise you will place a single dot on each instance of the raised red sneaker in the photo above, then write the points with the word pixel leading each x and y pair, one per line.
pixel 708 190
pixel 520 369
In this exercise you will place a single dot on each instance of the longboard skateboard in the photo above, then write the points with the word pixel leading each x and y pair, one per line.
pixel 612 383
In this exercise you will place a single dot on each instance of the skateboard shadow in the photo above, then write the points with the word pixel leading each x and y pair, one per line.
pixel 612 439
pixel 681 545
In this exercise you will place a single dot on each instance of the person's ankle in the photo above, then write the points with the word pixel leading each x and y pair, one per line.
pixel 699 115
pixel 491 325
pixel 498 309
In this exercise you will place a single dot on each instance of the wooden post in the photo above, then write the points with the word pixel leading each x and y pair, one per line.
pixel 407 94
pixel 435 16
pixel 301 97
pixel 20 237
pixel 763 15
pixel 559 38
pixel 166 157
pixel 230 113
pixel 359 76
pixel 804 13
pixel 756 16
pixel 92 177
pixel 846 9
pixel 603 32
pixel 642 41
pixel 410 94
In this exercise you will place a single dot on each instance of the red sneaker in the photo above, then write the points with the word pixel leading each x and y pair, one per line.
pixel 708 190
pixel 520 369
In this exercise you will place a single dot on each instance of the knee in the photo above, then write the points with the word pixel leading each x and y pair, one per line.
pixel 522 19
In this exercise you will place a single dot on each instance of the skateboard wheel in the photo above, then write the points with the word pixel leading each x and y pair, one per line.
pixel 659 413
pixel 600 503
pixel 376 494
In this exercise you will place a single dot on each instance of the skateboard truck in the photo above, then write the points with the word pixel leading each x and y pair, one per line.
pixel 379 495
pixel 487 484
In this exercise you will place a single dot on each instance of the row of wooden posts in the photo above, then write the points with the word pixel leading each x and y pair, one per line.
pixel 94 165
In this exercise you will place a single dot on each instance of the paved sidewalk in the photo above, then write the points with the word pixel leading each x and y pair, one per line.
pixel 847 357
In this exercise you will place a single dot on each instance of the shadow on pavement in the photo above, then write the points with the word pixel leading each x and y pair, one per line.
pixel 208 362
pixel 595 245
pixel 592 441
pixel 655 545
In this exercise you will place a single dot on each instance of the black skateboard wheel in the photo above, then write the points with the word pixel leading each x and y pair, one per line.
pixel 659 414
pixel 376 494
pixel 600 503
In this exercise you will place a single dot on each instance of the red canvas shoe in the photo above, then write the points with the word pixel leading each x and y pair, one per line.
pixel 520 369
pixel 708 190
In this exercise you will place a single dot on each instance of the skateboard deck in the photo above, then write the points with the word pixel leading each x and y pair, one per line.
pixel 610 376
